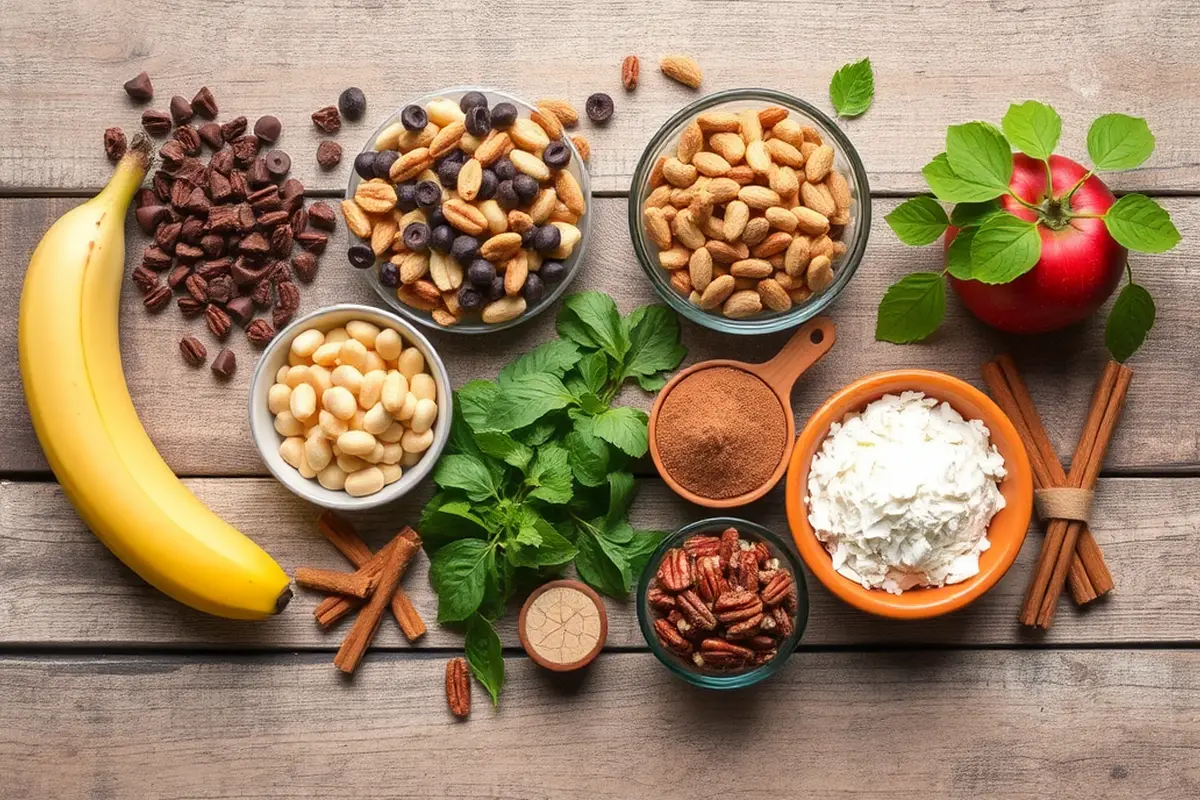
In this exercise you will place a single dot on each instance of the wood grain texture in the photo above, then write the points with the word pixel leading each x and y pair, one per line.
pixel 1007 725
pixel 936 63
pixel 201 426
pixel 62 588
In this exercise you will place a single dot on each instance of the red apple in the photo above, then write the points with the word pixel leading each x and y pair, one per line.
pixel 1081 263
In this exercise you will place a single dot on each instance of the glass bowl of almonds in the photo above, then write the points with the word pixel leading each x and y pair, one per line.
pixel 749 211
pixel 468 209
pixel 722 602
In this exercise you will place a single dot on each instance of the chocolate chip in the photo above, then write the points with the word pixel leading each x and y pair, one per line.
pixel 447 172
pixel 305 266
pixel 260 332
pixel 322 216
pixel 472 100
pixel 441 238
pixel 224 364
pixel 181 109
pixel 556 155
pixel 505 169
pixel 526 187
pixel 496 290
pixel 145 279
pixel 389 275
pixel 487 186
pixel 329 154
pixel 148 217
pixel 187 136
pixel 479 121
pixel 503 116
pixel 464 249
pixel 416 236
pixel 154 258
pixel 268 128
pixel 470 299
pixel 481 273
pixel 364 164
pixel 360 256
pixel 278 163
pixel 213 245
pixel 414 118
pixel 353 103
pixel 233 129
pixel 291 188
pixel 327 119
pixel 114 144
pixel 204 103
pixel 210 134
pixel 140 89
pixel 506 196
pixel 157 299
pixel 156 123
pixel 193 351
pixel 241 309
pixel 599 108
pixel 382 165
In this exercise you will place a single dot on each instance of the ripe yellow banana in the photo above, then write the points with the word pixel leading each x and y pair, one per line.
pixel 74 385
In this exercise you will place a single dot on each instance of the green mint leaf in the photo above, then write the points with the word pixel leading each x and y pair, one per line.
pixel 1139 223
pixel 1118 141
pixel 538 433
pixel 978 152
pixel 952 188
pixel 505 448
pixel 918 221
pixel 1131 318
pixel 485 656
pixel 653 341
pixel 1004 248
pixel 527 399
pixel 593 371
pixel 555 357
pixel 640 547
pixel 598 569
pixel 958 254
pixel 550 475
pixel 460 471
pixel 475 399
pixel 620 496
pixel 497 588
pixel 444 520
pixel 972 215
pixel 588 453
pixel 852 88
pixel 651 383
pixel 457 572
pixel 542 545
pixel 625 429
pixel 912 308
pixel 590 403
pixel 619 532
pixel 1033 128
pixel 591 319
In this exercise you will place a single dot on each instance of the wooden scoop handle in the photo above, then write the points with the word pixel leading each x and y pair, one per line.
pixel 804 349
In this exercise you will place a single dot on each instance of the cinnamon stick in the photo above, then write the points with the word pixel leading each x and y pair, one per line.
pixel 355 645
pixel 332 609
pixel 355 584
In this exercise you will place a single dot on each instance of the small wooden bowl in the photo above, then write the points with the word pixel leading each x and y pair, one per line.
pixel 812 341
pixel 586 658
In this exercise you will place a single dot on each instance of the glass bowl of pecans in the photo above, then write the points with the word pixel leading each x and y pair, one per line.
pixel 723 602
pixel 749 211
pixel 469 209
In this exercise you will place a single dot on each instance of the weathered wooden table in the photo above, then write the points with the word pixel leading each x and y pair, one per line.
pixel 109 690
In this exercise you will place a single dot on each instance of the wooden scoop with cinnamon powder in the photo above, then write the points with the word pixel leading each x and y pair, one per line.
pixel 721 431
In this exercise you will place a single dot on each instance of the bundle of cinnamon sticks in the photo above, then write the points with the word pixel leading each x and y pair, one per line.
pixel 373 587
pixel 1070 555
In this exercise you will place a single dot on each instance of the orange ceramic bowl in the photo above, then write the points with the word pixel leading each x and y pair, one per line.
pixel 1007 529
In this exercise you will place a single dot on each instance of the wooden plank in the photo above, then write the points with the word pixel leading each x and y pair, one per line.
pixel 176 402
pixel 978 724
pixel 62 588
pixel 1131 56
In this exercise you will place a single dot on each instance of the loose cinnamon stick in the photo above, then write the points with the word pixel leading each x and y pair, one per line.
pixel 355 645
pixel 332 609
pixel 354 584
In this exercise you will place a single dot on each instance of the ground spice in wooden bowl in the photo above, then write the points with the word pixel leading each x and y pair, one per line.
pixel 721 432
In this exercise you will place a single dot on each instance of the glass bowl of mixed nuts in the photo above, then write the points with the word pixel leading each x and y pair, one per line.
pixel 723 602
pixel 749 211
pixel 468 210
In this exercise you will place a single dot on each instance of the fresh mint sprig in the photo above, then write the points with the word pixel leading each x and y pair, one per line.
pixel 852 88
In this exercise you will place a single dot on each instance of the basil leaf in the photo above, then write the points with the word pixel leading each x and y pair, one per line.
pixel 978 152
pixel 598 569
pixel 1139 223
pixel 951 188
pixel 620 496
pixel 457 572
pixel 460 471
pixel 475 399
pixel 958 254
pixel 619 532
pixel 556 357
pixel 593 370
pixel 591 319
pixel 538 433
pixel 527 399
pixel 653 341
pixel 485 656
pixel 918 221
pixel 912 308
pixel 640 547
pixel 624 428
pixel 1118 141
pixel 444 520
pixel 1034 128
pixel 972 215
pixel 852 88
pixel 592 404
pixel 542 545
pixel 588 454
pixel 651 383
pixel 497 588
pixel 1004 248
pixel 550 474
pixel 504 447
pixel 1131 318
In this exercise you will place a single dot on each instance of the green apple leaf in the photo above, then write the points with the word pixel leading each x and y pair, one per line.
pixel 918 221
pixel 912 308
pixel 972 215
pixel 950 187
pixel 1118 141
pixel 852 88
pixel 978 152
pixel 1004 248
pixel 1131 318
pixel 958 254
pixel 1139 223
pixel 1033 128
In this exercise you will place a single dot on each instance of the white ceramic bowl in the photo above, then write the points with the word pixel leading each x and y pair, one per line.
pixel 262 422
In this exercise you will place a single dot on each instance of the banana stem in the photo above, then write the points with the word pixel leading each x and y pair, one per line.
pixel 130 171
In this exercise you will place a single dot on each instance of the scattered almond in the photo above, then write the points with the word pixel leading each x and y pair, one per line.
pixel 564 111
pixel 683 69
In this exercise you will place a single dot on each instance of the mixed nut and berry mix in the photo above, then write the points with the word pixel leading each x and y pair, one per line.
pixel 471 209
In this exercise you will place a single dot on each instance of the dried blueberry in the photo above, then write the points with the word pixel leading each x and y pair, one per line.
pixel 556 155
pixel 464 249
pixel 503 116
pixel 527 237
pixel 496 290
pixel 383 163
pixel 389 275
pixel 447 173
pixel 406 196
pixel 487 186
pixel 481 273
pixel 414 118
pixel 360 256
pixel 364 164
pixel 478 121
pixel 429 195
pixel 469 299
pixel 455 155
pixel 506 196
pixel 599 107
pixel 441 238
pixel 545 238
pixel 534 289
pixel 473 100
pixel 352 103
pixel 552 271
pixel 416 236
pixel 526 186
pixel 504 169
pixel 435 218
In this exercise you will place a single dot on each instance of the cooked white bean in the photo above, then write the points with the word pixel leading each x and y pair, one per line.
pixel 336 336
pixel 339 402
pixel 363 331
pixel 278 397
pixel 356 443
pixel 395 390
pixel 347 376
pixel 331 426
pixel 410 362
pixel 286 424
pixel 392 434
pixel 391 473
pixel 364 482
pixel 327 354
pixel 317 450
pixel 303 402
pixel 349 463
pixel 306 343
pixel 377 420
pixel 372 388
pixel 413 442
pixel 291 450
pixel 332 477
pixel 389 344
pixel 408 409
pixel 423 386
pixel 423 416
pixel 352 353
pixel 296 375
pixel 392 453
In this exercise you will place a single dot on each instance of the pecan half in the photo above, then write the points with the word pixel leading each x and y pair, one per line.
pixel 744 566
pixel 783 622
pixel 729 545
pixel 709 579
pixel 157 298
pixel 700 545
pixel 458 687
pixel 737 605
pixel 661 600
pixel 675 572
pixel 145 279
pixel 696 611
pixel 260 332
pixel 218 321
pixel 779 587
pixel 305 266
pixel 670 638
pixel 714 645
pixel 746 628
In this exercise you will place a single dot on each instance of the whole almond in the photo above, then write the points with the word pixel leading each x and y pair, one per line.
pixel 581 144
pixel 728 146
pixel 817 197
pixel 737 215
pixel 375 196
pixel 428 292
pixel 789 131
pixel 722 190
pixel 797 255
pixel 657 227
pixel 839 190
pixel 742 304
pixel 515 273
pixel 657 178
pixel 714 227
pixel 691 142
pixel 682 198
pixel 411 140
pixel 823 246
pixel 630 68
pixel 751 126
pixel 717 292
pixel 718 122
pixel 444 271
pixel 757 229
pixel 751 268
pixel 564 111
pixel 819 164
pixel 809 221
pixel 724 252
pixel 783 153
pixel 444 317
pixel 411 297
pixel 413 267
pixel 682 69
pixel 758 197
pixel 700 269
pixel 549 122
pixel 682 282
pixel 493 148
pixel 772 115
pixel 679 174
pixel 470 178
pixel 411 164
pixel 504 309
pixel 812 135
pixel 773 295
pixel 757 157
pixel 382 235
pixel 687 231
pixel 500 247
pixel 776 242
pixel 675 258
pixel 799 295
pixel 710 164
pixel 742 175
pixel 447 139
pixel 357 221
pixel 569 192
pixel 783 180
pixel 819 274
pixel 781 218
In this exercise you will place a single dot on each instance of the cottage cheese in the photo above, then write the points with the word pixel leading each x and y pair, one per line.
pixel 902 493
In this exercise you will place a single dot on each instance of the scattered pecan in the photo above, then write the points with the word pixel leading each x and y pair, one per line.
pixel 197 287
pixel 153 257
pixel 262 294
pixel 260 332
pixel 114 144
pixel 145 279
pixel 288 296
pixel 458 687
pixel 312 241
pixel 189 305
pixel 630 68
pixel 737 605
pixel 157 298
pixel 188 138
pixel 218 321
pixel 178 276
pixel 193 351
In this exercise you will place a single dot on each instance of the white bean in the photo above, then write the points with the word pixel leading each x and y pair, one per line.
pixel 413 442
pixel 332 477
pixel 423 386
pixel 306 470
pixel 281 374
pixel 347 376
pixel 364 482
pixel 423 416
pixel 392 453
pixel 376 455
pixel 278 397
pixel 410 362
pixel 296 376
pixel 352 353
pixel 392 434
pixel 295 360
pixel 408 409
pixel 372 388
pixel 373 362
pixel 363 331
pixel 337 336
pixel 410 459
pixel 303 402
pixel 356 422
pixel 389 344
pixel 377 420
pixel 391 473
pixel 339 402
pixel 306 343
pixel 320 379
pixel 291 450
pixel 395 389
pixel 351 463
pixel 331 426
pixel 286 424
pixel 317 450
pixel 356 443
pixel 327 354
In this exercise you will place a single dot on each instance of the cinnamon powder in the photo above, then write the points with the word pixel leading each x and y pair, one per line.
pixel 721 433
